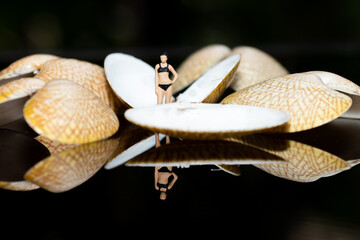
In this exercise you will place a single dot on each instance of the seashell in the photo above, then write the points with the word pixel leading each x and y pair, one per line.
pixel 304 162
pixel 198 63
pixel 19 88
pixel 205 120
pixel 134 141
pixel 68 169
pixel 337 82
pixel 84 73
pixel 354 110
pixel 19 152
pixel 70 113
pixel 131 79
pixel 213 83
pixel 255 66
pixel 308 101
pixel 354 162
pixel 26 65
pixel 344 85
pixel 185 153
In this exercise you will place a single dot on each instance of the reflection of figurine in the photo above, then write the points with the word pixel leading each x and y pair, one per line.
pixel 162 175
pixel 163 85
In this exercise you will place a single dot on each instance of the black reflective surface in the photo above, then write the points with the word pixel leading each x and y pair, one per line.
pixel 204 199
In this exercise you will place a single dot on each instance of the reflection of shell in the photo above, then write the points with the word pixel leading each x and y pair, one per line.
pixel 185 153
pixel 205 120
pixel 305 97
pixel 84 73
pixel 198 63
pixel 18 186
pixel 18 153
pixel 255 66
pixel 54 146
pixel 304 163
pixel 232 169
pixel 212 84
pixel 132 142
pixel 68 169
pixel 67 112
pixel 25 65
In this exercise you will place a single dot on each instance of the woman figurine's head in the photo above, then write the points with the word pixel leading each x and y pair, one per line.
pixel 163 195
pixel 164 57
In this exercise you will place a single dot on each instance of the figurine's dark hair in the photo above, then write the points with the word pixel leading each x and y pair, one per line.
pixel 164 53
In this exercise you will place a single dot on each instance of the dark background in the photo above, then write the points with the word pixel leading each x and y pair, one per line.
pixel 301 35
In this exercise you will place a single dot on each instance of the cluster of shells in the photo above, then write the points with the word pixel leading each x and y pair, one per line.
pixel 87 117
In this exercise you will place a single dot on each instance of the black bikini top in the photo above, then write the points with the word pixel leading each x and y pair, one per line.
pixel 165 69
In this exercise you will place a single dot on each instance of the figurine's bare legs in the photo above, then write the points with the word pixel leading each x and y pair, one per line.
pixel 157 140
pixel 160 96
pixel 168 95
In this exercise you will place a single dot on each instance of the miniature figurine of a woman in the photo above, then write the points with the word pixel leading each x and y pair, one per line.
pixel 162 175
pixel 163 85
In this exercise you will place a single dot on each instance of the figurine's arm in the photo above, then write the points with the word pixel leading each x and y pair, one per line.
pixel 173 181
pixel 156 175
pixel 156 76
pixel 174 73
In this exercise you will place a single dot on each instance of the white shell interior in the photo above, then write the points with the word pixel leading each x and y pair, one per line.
pixel 205 84
pixel 131 78
pixel 133 151
pixel 206 117
pixel 354 110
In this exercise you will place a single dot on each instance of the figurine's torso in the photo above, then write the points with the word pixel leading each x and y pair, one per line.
pixel 163 73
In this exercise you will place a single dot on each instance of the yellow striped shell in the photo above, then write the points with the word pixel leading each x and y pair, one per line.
pixel 198 63
pixel 255 66
pixel 308 101
pixel 26 65
pixel 212 84
pixel 84 73
pixel 337 82
pixel 19 88
pixel 67 112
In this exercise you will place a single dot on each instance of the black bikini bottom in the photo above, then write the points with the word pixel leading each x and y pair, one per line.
pixel 165 86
